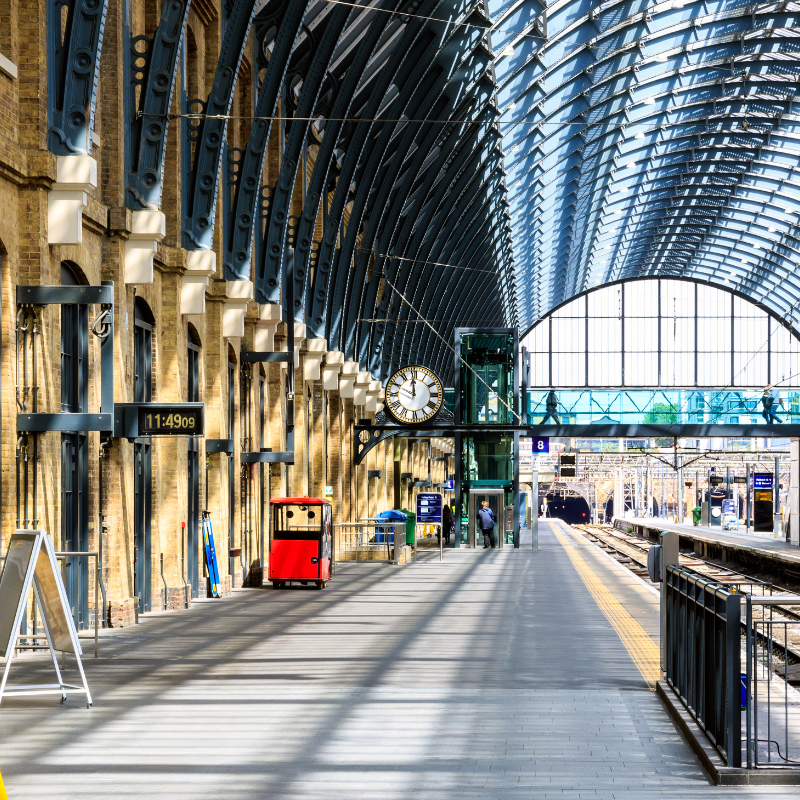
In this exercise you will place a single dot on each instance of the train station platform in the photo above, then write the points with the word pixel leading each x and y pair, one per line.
pixel 493 674
pixel 755 554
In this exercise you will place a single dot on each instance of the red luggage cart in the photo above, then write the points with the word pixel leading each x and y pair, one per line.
pixel 301 545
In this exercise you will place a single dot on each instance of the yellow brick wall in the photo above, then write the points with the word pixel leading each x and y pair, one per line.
pixel 27 172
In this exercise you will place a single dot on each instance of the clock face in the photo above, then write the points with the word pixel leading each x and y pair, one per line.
pixel 413 394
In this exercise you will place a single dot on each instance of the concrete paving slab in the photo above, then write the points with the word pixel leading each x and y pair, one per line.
pixel 491 675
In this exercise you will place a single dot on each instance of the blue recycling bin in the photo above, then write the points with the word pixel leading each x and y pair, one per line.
pixel 382 533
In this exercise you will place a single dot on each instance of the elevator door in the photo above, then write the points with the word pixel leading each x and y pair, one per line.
pixel 143 466
pixel 495 500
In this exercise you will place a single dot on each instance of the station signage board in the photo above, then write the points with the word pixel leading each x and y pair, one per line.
pixel 739 479
pixel 716 480
pixel 541 444
pixel 168 420
pixel 763 480
pixel 429 508
pixel 728 508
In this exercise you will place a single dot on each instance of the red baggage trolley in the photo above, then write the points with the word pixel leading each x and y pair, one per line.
pixel 301 545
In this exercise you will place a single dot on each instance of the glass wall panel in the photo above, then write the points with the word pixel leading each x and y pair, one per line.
pixel 674 333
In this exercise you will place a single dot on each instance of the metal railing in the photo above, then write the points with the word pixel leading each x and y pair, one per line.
pixel 703 656
pixel 62 556
pixel 361 537
pixel 772 714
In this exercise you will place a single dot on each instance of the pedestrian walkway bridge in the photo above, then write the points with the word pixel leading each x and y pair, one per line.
pixel 493 674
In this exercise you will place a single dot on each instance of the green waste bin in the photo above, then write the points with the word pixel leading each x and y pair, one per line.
pixel 411 525
pixel 697 515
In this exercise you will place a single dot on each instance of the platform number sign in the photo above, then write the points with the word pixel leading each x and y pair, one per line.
pixel 541 444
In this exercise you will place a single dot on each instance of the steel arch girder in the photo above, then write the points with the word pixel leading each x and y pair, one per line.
pixel 458 219
pixel 460 289
pixel 316 191
pixel 417 42
pixel 468 225
pixel 278 212
pixel 347 279
pixel 149 128
pixel 203 180
pixel 439 97
pixel 237 255
pixel 396 205
pixel 72 69
pixel 468 150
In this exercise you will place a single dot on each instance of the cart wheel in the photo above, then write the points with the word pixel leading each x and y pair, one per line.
pixel 277 585
pixel 321 584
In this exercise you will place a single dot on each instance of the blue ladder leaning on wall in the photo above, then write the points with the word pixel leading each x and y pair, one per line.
pixel 211 556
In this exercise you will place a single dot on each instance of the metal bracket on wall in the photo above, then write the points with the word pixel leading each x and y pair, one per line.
pixel 256 357
pixel 267 457
pixel 69 295
pixel 219 446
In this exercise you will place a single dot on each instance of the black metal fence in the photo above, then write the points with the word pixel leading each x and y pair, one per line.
pixel 703 656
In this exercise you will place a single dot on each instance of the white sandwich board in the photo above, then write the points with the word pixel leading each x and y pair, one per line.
pixel 31 561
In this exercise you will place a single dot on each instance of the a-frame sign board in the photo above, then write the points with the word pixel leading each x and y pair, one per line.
pixel 31 561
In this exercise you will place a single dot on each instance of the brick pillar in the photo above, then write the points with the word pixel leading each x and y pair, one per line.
pixel 348 470
pixel 317 439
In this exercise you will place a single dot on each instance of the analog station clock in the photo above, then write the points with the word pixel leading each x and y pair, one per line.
pixel 414 394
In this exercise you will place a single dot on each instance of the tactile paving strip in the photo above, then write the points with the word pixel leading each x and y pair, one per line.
pixel 643 649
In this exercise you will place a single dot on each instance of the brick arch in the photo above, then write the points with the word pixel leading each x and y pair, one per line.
pixel 72 275
pixel 192 335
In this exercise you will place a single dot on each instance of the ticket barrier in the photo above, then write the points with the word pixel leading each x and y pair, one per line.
pixel 301 542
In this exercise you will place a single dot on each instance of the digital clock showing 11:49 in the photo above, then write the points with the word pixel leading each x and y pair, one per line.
pixel 169 420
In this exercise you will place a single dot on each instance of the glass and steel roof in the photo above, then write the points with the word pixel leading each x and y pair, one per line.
pixel 649 138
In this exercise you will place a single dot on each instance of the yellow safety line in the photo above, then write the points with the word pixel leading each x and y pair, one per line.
pixel 642 648
pixel 3 795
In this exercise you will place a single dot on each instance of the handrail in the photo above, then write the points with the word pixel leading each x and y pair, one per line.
pixel 770 646
pixel 703 655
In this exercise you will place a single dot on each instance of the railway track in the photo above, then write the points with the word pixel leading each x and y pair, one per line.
pixel 631 552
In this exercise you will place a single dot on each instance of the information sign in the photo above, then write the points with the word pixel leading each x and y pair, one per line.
pixel 329 491
pixel 728 507
pixel 450 485
pixel 739 479
pixel 429 508
pixel 763 480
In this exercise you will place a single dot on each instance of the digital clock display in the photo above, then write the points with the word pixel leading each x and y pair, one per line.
pixel 168 420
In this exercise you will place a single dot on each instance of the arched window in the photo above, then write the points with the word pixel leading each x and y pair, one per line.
pixel 662 333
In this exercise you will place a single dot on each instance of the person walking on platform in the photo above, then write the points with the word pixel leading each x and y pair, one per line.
pixel 447 523
pixel 486 521
pixel 551 408
pixel 770 401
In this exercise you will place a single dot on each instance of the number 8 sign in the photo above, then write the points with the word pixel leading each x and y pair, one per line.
pixel 541 444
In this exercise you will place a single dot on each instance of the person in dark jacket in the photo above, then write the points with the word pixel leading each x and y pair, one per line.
pixel 447 523
pixel 486 522
pixel 551 408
